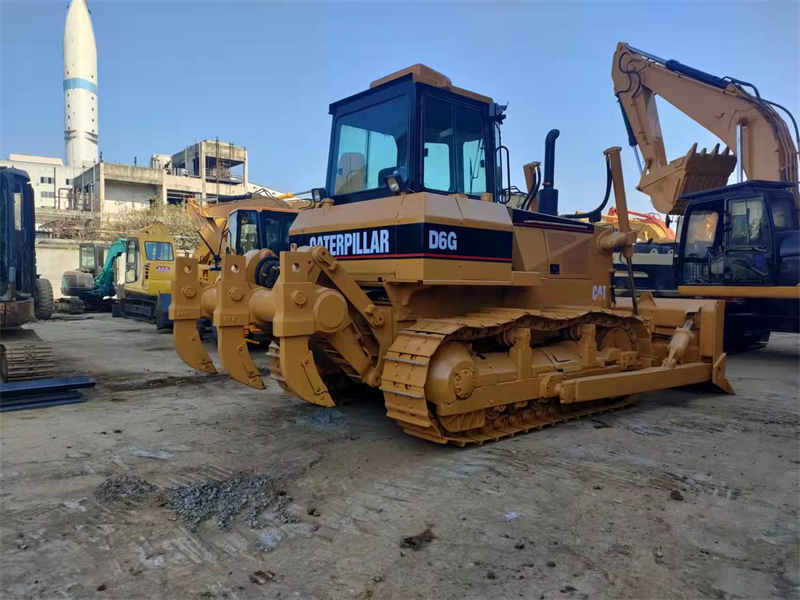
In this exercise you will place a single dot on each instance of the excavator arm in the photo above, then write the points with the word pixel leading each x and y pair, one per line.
pixel 743 121
pixel 104 282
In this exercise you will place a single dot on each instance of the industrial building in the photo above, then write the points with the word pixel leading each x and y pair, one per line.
pixel 206 170
pixel 86 186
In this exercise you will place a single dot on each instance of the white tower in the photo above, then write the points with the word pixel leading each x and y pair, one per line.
pixel 80 86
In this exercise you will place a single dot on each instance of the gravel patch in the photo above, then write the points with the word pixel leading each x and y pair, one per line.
pixel 223 500
pixel 127 490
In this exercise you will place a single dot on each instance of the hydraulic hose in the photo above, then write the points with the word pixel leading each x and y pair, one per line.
pixel 596 215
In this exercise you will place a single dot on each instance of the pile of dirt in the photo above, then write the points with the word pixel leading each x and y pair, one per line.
pixel 127 490
pixel 223 500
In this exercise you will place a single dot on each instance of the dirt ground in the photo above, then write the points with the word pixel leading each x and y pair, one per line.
pixel 689 494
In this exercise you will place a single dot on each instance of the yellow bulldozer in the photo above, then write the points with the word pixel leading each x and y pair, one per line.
pixel 477 321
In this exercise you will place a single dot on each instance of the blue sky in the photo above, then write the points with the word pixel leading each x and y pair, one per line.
pixel 262 74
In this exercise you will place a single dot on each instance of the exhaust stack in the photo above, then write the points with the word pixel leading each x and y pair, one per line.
pixel 548 195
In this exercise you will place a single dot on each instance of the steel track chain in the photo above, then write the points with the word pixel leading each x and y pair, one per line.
pixel 407 362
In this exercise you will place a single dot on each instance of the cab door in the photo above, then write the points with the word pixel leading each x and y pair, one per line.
pixel 750 242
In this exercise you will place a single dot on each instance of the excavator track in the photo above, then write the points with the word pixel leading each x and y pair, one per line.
pixel 25 355
pixel 407 361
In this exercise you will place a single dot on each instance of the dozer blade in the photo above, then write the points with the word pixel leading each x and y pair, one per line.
pixel 694 172
pixel 299 371
pixel 231 316
pixel 184 312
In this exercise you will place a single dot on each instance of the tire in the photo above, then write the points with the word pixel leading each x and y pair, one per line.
pixel 45 305
pixel 3 366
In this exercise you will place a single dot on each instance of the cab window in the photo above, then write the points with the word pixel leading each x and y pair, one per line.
pixel 783 213
pixel 749 226
pixel 370 142
pixel 248 231
pixel 454 159
pixel 159 251
pixel 87 258
pixel 276 230
pixel 18 192
pixel 701 233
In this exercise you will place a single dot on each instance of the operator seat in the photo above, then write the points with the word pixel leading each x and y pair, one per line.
pixel 350 175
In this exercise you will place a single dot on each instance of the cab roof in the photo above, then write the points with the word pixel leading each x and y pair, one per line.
pixel 739 187
pixel 424 74
pixel 418 73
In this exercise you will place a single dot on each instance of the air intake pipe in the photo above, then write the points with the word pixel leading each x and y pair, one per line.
pixel 548 195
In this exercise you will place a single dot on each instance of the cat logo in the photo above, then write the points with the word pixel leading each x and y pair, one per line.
pixel 598 291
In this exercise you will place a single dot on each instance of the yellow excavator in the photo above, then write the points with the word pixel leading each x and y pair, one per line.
pixel 149 268
pixel 477 321
pixel 738 242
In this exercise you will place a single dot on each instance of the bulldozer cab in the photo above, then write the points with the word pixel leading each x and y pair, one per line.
pixel 741 235
pixel 150 261
pixel 412 131
pixel 252 229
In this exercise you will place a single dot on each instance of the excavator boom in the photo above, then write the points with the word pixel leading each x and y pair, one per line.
pixel 745 122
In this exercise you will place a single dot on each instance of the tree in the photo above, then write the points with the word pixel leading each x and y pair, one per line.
pixel 127 222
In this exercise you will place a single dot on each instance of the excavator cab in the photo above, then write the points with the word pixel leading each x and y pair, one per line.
pixel 92 257
pixel 743 240
pixel 149 268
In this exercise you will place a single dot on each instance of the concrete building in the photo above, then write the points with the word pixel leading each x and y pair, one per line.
pixel 205 170
pixel 52 183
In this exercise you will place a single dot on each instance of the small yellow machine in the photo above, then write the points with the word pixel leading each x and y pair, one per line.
pixel 149 270
pixel 477 321
pixel 258 226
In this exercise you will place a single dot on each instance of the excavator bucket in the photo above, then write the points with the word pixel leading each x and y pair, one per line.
pixel 231 316
pixel 184 311
pixel 694 172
